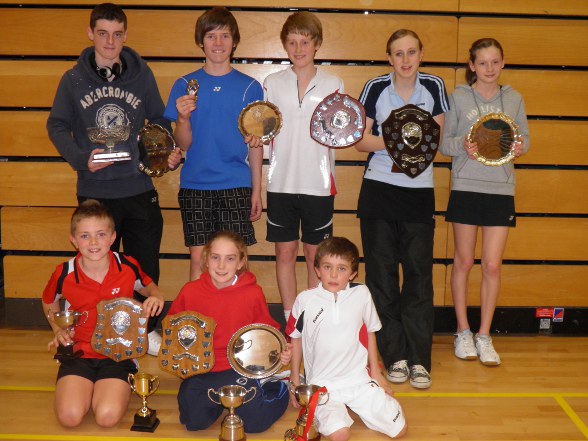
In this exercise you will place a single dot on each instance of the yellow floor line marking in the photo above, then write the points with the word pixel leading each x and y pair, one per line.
pixel 397 394
pixel 558 397
pixel 28 388
pixel 61 437
pixel 20 436
pixel 572 415
pixel 490 394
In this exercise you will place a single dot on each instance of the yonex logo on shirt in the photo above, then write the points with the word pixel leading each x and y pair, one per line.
pixel 115 291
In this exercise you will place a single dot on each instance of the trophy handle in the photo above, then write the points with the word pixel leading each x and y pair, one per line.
pixel 152 381
pixel 210 396
pixel 321 396
pixel 85 319
pixel 254 389
pixel 131 381
pixel 292 387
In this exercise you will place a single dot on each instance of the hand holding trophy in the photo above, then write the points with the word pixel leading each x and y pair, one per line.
pixel 67 321
pixel 109 136
pixel 192 88
pixel 186 104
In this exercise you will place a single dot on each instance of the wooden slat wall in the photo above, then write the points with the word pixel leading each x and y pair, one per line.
pixel 547 254
pixel 370 5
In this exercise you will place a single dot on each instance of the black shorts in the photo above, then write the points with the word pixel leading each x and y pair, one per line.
pixel 288 213
pixel 205 212
pixel 485 210
pixel 95 369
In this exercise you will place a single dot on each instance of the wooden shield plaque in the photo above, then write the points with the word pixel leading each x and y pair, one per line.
pixel 338 121
pixel 186 348
pixel 121 330
pixel 411 136
pixel 494 134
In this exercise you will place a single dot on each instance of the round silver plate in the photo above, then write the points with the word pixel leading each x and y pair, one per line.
pixel 254 351
pixel 494 133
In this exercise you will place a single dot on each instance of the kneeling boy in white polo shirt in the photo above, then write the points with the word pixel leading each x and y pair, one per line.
pixel 333 328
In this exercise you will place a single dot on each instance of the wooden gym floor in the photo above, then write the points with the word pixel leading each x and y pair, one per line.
pixel 539 393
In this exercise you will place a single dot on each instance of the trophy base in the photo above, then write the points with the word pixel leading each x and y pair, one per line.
pixel 312 435
pixel 111 157
pixel 243 438
pixel 146 424
pixel 290 435
pixel 65 353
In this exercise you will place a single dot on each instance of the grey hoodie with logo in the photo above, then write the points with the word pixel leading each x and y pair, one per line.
pixel 83 100
pixel 468 174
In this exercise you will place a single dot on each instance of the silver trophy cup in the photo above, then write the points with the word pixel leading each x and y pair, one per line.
pixel 68 320
pixel 231 397
pixel 109 137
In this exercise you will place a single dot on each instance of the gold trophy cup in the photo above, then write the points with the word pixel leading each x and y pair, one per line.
pixel 144 385
pixel 68 320
pixel 303 395
pixel 232 397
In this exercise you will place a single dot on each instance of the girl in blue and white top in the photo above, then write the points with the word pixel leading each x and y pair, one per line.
pixel 397 216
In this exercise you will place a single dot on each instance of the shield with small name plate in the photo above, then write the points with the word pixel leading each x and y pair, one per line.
pixel 411 136
pixel 338 121
pixel 186 348
pixel 121 330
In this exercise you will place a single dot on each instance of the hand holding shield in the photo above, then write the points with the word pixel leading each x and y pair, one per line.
pixel 121 329
pixel 411 136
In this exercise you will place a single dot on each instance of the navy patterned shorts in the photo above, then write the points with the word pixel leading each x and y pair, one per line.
pixel 205 212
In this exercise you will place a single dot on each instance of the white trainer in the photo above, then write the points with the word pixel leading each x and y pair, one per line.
pixel 398 372
pixel 154 343
pixel 419 377
pixel 486 352
pixel 464 345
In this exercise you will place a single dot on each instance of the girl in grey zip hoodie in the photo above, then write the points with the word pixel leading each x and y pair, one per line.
pixel 472 175
pixel 481 195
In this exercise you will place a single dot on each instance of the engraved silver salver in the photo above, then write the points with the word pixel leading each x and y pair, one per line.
pixel 262 119
pixel 155 145
pixel 494 135
pixel 254 350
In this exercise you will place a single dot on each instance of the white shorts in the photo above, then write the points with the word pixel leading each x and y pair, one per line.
pixel 376 409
